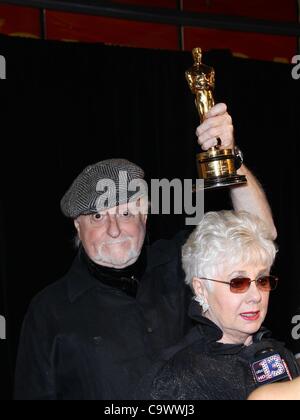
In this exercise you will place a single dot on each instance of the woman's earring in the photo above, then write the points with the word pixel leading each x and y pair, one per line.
pixel 202 302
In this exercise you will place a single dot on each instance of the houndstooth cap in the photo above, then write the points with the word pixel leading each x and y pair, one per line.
pixel 110 176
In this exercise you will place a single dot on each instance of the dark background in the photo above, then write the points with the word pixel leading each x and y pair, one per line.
pixel 65 106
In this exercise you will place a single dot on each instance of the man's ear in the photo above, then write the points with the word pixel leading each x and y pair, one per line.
pixel 77 227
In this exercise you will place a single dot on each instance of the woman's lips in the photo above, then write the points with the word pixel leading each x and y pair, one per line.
pixel 251 316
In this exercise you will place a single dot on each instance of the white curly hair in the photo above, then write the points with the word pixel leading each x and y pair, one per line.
pixel 227 238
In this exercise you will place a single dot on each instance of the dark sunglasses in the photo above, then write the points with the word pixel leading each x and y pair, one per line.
pixel 242 284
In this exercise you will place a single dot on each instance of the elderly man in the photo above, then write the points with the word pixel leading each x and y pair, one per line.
pixel 95 333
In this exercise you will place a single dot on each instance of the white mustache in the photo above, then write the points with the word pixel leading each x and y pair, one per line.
pixel 106 251
pixel 116 242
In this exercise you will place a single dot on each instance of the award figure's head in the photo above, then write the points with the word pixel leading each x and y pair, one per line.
pixel 200 76
pixel 197 54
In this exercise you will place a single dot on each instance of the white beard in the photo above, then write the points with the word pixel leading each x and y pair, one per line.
pixel 109 258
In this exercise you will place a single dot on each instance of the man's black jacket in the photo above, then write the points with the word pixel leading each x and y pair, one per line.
pixel 83 340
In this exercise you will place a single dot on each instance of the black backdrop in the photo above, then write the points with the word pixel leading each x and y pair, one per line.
pixel 64 106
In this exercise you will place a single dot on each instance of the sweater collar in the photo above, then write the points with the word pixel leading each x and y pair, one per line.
pixel 126 280
pixel 80 278
pixel 212 334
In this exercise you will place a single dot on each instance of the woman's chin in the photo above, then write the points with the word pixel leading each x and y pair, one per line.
pixel 252 329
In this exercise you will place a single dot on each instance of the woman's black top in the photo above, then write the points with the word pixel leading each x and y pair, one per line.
pixel 200 368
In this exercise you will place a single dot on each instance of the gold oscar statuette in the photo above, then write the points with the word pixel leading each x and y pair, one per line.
pixel 217 167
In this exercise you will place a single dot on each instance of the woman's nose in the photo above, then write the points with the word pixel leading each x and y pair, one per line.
pixel 113 228
pixel 254 294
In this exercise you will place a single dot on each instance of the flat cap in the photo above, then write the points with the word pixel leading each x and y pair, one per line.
pixel 110 179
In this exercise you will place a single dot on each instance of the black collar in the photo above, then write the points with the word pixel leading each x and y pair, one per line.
pixel 161 253
pixel 126 280
pixel 79 280
pixel 212 334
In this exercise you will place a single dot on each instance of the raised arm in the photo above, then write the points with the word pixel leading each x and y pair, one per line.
pixel 251 197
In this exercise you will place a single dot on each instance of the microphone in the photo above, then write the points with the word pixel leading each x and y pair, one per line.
pixel 269 367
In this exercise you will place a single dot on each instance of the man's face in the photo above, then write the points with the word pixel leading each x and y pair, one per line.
pixel 113 238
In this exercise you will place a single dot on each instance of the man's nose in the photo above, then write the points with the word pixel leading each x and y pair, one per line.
pixel 113 228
